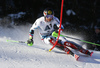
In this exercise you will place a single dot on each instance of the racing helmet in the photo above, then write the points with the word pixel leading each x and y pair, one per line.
pixel 48 12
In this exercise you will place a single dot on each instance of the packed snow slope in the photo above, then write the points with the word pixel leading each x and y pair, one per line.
pixel 18 55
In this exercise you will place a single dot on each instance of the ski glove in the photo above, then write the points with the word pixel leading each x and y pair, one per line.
pixel 30 42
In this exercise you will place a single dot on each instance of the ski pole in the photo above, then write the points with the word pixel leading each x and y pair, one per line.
pixel 54 34
pixel 16 41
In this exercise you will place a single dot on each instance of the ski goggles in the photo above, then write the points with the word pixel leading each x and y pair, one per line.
pixel 49 16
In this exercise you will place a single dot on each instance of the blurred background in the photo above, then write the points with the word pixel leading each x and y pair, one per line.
pixel 80 17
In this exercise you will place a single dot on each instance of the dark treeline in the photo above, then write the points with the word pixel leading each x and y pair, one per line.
pixel 87 11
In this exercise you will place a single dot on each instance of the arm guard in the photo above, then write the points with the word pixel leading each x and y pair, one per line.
pixel 31 33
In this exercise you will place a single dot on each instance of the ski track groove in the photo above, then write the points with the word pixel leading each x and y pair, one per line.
pixel 5 57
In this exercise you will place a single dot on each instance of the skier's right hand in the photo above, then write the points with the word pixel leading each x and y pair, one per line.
pixel 30 42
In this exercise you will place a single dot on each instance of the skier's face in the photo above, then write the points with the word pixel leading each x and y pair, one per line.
pixel 49 18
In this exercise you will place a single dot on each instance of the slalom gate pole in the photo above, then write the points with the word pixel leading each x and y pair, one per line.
pixel 16 41
pixel 60 25
pixel 54 34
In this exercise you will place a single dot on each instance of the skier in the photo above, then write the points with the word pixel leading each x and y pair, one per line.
pixel 48 24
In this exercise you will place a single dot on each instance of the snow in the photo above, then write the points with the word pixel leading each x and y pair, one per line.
pixel 68 12
pixel 19 55
pixel 15 16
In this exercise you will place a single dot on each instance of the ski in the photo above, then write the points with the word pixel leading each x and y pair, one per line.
pixel 76 56
pixel 91 54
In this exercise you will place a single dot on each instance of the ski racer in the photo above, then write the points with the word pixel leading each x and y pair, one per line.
pixel 48 24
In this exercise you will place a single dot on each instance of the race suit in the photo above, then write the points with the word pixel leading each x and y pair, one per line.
pixel 45 32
